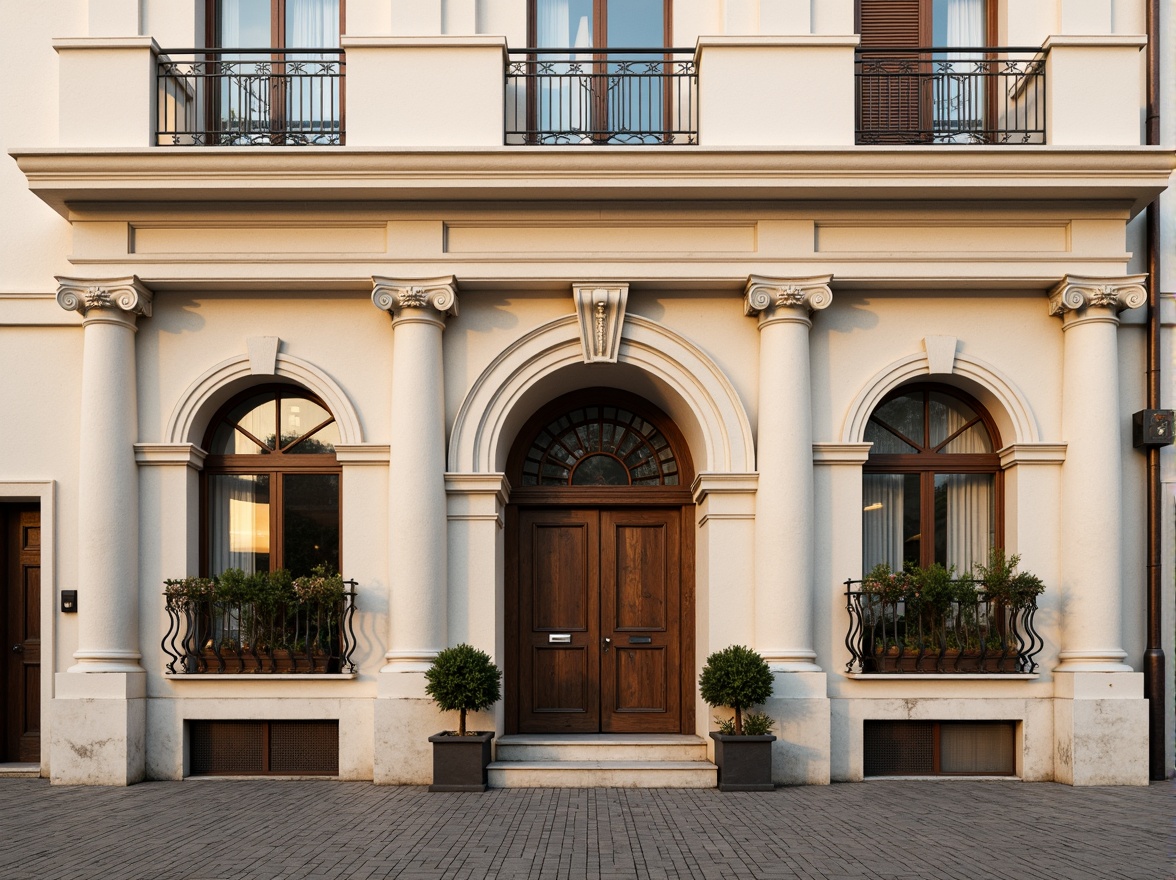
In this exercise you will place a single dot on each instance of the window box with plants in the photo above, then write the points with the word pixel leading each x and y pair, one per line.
pixel 462 679
pixel 928 620
pixel 263 623
pixel 738 678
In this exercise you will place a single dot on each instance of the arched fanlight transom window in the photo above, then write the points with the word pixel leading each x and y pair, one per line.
pixel 931 485
pixel 271 484
pixel 600 445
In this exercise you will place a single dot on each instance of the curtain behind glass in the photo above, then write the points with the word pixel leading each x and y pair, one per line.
pixel 959 93
pixel 312 101
pixel 882 518
pixel 965 502
pixel 563 101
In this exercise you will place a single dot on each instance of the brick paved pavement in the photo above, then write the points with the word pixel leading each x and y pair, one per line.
pixel 248 830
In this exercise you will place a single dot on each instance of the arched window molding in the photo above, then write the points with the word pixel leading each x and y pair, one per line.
pixel 207 394
pixel 705 405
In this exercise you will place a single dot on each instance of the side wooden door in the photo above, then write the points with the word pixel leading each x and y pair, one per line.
pixel 640 597
pixel 20 601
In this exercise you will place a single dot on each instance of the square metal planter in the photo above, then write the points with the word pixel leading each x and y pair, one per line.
pixel 745 762
pixel 459 762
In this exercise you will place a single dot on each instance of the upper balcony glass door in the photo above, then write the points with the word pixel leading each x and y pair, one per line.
pixel 283 83
pixel 592 87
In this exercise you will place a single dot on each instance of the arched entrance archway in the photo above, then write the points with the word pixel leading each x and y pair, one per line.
pixel 599 573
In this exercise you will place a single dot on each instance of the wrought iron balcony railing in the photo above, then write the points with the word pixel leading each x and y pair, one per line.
pixel 249 97
pixel 898 636
pixel 613 96
pixel 210 635
pixel 950 96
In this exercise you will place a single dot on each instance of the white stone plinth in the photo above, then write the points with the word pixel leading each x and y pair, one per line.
pixel 99 728
pixel 1100 728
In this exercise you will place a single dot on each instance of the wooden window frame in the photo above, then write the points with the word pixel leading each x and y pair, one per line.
pixel 927 464
pixel 274 464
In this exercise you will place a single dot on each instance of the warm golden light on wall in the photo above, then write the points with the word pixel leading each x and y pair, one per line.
pixel 248 527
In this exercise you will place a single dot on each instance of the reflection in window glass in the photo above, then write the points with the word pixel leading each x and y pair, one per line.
pixel 310 518
pixel 238 522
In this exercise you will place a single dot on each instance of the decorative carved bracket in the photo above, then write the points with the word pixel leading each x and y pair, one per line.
pixel 600 308
pixel 83 295
pixel 769 298
pixel 1076 293
pixel 401 296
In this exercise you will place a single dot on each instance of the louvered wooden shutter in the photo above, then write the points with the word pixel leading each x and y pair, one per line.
pixel 890 100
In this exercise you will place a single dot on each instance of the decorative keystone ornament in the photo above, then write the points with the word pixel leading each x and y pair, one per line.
pixel 600 309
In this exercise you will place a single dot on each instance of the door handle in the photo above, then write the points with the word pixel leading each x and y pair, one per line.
pixel 18 648
pixel 605 644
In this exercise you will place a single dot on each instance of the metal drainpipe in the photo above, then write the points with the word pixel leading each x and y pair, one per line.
pixel 1153 658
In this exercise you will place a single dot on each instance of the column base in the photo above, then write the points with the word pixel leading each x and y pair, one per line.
pixel 99 729
pixel 800 706
pixel 1109 660
pixel 1100 728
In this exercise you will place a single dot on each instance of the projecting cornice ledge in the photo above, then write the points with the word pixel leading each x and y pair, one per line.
pixel 1130 175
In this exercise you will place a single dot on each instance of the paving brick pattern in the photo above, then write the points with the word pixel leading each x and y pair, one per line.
pixel 320 830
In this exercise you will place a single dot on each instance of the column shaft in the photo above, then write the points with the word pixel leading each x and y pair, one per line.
pixel 784 460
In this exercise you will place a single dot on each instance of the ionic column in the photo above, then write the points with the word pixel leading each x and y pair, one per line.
pixel 784 459
pixel 416 488
pixel 1092 488
pixel 108 478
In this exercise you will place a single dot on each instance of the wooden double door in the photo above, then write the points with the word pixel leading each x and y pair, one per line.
pixel 599 620
pixel 20 626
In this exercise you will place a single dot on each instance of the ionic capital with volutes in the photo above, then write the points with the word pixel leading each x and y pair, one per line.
pixel 786 299
pixel 430 300
pixel 1077 299
pixel 109 300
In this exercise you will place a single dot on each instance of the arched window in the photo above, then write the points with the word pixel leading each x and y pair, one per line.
pixel 600 445
pixel 931 487
pixel 271 484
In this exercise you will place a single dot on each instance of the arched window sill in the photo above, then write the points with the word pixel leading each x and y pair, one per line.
pixel 943 676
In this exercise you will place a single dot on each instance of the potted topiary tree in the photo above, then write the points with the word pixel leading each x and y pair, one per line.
pixel 465 679
pixel 738 678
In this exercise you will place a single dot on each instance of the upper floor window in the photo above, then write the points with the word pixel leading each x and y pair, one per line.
pixel 275 24
pixel 928 73
pixel 931 486
pixel 282 85
pixel 600 72
pixel 271 484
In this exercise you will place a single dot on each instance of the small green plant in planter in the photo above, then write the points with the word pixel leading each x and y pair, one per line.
pixel 462 679
pixel 1003 584
pixel 738 678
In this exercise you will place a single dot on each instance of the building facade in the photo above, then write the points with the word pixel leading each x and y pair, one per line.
pixel 599 335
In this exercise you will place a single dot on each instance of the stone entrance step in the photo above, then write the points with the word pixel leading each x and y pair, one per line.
pixel 601 761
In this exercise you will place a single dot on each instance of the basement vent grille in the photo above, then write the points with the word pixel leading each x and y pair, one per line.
pixel 264 748
pixel 940 748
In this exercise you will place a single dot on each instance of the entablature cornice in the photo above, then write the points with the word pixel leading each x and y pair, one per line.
pixel 65 176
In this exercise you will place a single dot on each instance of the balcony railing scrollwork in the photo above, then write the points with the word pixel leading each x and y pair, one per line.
pixel 212 635
pixel 250 97
pixel 950 96
pixel 980 635
pixel 613 96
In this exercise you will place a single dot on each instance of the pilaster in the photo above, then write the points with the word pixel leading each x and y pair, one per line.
pixel 784 499
pixel 1091 587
